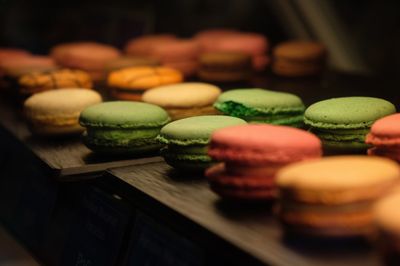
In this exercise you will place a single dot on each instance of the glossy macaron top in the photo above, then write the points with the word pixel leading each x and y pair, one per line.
pixel 347 112
pixel 260 100
pixel 60 102
pixel 183 95
pixel 300 50
pixel 387 213
pixel 385 131
pixel 263 143
pixel 195 130
pixel 337 173
pixel 124 114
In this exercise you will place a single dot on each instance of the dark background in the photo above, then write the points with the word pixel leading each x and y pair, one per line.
pixel 38 25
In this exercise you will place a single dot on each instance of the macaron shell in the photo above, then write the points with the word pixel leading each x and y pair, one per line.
pixel 143 45
pixel 347 112
pixel 124 114
pixel 183 95
pixel 263 143
pixel 385 131
pixel 387 215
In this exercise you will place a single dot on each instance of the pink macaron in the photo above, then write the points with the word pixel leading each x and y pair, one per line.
pixel 384 136
pixel 10 53
pixel 251 156
pixel 15 67
pixel 143 45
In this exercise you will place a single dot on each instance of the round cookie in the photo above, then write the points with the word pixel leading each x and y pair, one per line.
pixel 187 140
pixel 122 127
pixel 262 106
pixel 129 83
pixel 54 79
pixel 184 99
pixel 342 123
pixel 56 112
pixel 130 61
pixel 333 196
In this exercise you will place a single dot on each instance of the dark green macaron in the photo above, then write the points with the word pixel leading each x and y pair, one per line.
pixel 262 106
pixel 342 123
pixel 123 127
pixel 187 140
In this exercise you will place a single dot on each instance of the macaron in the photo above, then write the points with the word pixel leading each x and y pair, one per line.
pixel 334 196
pixel 384 137
pixel 122 127
pixel 252 154
pixel 130 61
pixel 16 67
pixel 56 112
pixel 35 82
pixel 224 66
pixel 129 83
pixel 187 140
pixel 298 58
pixel 143 45
pixel 88 56
pixel 184 99
pixel 342 123
pixel 387 221
pixel 262 106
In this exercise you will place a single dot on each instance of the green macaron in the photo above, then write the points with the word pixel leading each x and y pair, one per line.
pixel 343 123
pixel 123 127
pixel 262 106
pixel 187 140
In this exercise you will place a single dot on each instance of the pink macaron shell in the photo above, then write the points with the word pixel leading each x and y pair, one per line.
pixel 179 50
pixel 10 53
pixel 144 44
pixel 251 43
pixel 255 144
pixel 22 65
pixel 385 131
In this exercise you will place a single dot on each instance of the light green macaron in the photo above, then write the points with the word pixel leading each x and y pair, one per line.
pixel 187 140
pixel 123 127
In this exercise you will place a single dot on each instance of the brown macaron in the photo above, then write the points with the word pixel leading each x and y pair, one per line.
pixel 54 79
pixel 298 58
pixel 224 66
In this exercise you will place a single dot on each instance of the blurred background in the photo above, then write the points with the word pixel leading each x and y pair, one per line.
pixel 361 36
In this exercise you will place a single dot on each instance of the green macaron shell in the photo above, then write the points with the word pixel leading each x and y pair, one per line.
pixel 275 107
pixel 195 130
pixel 347 112
pixel 124 114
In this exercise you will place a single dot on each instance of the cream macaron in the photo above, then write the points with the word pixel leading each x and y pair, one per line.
pixel 56 112
pixel 184 99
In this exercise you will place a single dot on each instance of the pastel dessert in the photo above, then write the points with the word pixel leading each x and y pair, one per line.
pixel 299 58
pixel 88 56
pixel 35 82
pixel 187 140
pixel 9 54
pixel 122 127
pixel 252 154
pixel 384 137
pixel 130 83
pixel 184 99
pixel 342 123
pixel 262 106
pixel 130 61
pixel 56 112
pixel 16 67
pixel 224 66
pixel 387 222
pixel 334 196
pixel 143 45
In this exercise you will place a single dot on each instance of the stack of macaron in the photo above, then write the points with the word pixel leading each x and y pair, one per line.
pixel 184 99
pixel 334 196
pixel 130 83
pixel 123 127
pixel 88 56
pixel 298 58
pixel 56 112
pixel 35 82
pixel 186 140
pixel 253 44
pixel 385 137
pixel 342 123
pixel 262 106
pixel 251 155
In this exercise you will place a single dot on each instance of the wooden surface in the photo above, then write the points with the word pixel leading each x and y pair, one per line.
pixel 68 158
pixel 252 229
